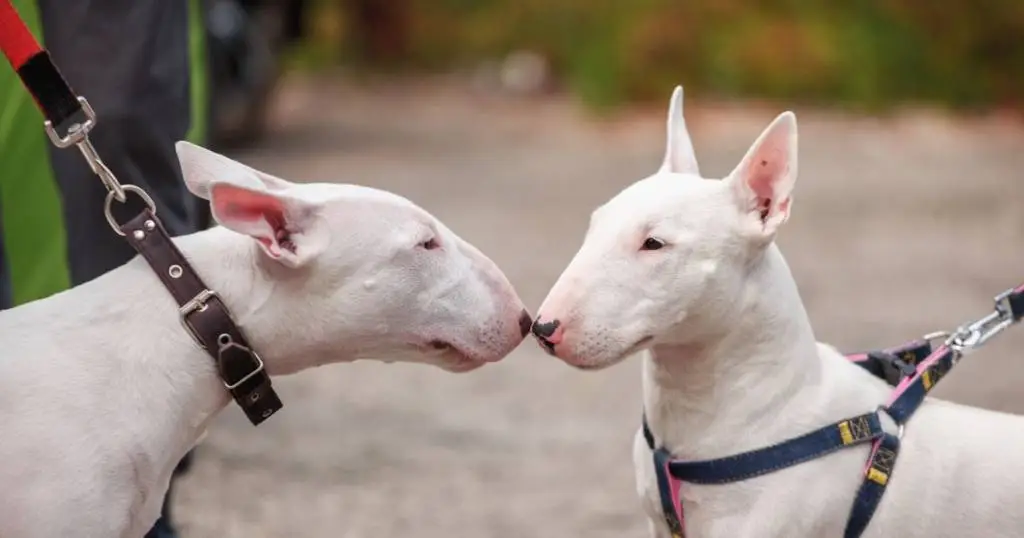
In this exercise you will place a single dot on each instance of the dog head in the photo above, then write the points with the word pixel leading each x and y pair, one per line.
pixel 353 272
pixel 666 259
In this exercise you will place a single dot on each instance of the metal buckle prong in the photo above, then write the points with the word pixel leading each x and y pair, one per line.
pixel 196 304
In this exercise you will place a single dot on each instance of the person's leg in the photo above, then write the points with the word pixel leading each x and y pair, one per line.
pixel 133 61
pixel 35 254
pixel 130 59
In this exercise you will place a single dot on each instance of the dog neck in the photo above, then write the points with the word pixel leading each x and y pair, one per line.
pixel 124 331
pixel 721 395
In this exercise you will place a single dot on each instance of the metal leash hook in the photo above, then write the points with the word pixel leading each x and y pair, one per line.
pixel 78 135
pixel 969 337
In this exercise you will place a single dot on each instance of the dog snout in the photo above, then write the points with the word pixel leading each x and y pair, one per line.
pixel 525 323
pixel 549 333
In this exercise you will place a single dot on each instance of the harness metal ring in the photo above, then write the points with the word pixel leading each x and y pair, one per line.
pixel 110 198
pixel 883 411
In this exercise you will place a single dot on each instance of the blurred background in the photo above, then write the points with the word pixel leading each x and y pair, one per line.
pixel 511 120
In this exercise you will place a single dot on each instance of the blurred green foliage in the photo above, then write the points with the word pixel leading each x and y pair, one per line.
pixel 859 53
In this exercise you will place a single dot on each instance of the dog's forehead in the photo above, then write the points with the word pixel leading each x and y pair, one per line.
pixel 658 198
pixel 362 199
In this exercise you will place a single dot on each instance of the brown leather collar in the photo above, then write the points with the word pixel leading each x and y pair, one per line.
pixel 206 318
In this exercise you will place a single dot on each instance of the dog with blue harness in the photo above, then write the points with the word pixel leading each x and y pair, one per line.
pixel 913 369
pixel 753 425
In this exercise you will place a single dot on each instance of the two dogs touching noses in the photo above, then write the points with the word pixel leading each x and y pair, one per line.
pixel 680 269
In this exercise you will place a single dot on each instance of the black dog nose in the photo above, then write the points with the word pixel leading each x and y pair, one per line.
pixel 546 334
pixel 525 321
pixel 546 329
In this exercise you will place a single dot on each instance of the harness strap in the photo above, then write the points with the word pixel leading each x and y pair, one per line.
pixel 668 491
pixel 671 473
pixel 910 393
pixel 876 479
pixel 842 434
pixel 893 364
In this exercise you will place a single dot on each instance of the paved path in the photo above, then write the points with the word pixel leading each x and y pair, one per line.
pixel 899 227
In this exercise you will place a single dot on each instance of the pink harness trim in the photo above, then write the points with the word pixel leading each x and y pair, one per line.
pixel 921 368
pixel 673 488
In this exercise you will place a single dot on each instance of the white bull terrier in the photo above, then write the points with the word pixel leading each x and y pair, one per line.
pixel 685 270
pixel 102 391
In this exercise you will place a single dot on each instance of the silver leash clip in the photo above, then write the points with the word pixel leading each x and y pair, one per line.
pixel 969 337
pixel 78 135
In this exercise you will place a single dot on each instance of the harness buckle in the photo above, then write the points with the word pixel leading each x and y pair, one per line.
pixel 894 369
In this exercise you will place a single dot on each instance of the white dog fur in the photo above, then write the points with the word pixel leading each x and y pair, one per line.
pixel 730 362
pixel 102 391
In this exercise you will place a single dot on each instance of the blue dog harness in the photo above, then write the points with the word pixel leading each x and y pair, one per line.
pixel 913 369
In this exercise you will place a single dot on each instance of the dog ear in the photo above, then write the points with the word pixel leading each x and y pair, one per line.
pixel 679 155
pixel 763 181
pixel 200 168
pixel 255 204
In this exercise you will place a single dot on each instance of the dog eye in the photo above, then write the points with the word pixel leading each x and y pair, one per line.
pixel 429 244
pixel 652 244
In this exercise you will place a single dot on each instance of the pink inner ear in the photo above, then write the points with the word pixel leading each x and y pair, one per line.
pixel 247 206
pixel 765 169
pixel 238 204
pixel 763 172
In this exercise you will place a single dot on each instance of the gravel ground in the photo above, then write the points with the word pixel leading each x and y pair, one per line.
pixel 900 226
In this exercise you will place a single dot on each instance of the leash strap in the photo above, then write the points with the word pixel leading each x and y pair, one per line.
pixel 36 70
pixel 206 318
pixel 203 315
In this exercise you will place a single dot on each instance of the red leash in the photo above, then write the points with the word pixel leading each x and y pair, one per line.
pixel 43 80
pixel 16 41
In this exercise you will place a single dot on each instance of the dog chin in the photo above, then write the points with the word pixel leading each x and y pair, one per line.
pixel 450 358
pixel 460 365
pixel 608 361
